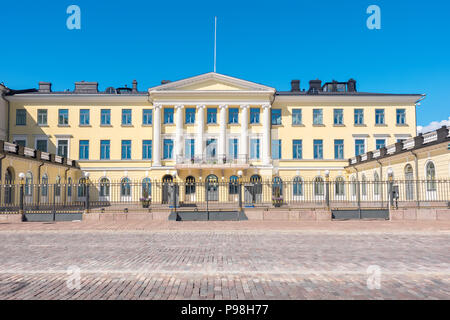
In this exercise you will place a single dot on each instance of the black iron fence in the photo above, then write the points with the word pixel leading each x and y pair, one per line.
pixel 130 195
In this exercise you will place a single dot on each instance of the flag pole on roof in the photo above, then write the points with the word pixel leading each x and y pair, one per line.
pixel 215 42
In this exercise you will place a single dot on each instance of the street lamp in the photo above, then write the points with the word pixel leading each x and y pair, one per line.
pixel 240 193
pixel 327 196
pixel 86 190
pixel 390 174
pixel 21 208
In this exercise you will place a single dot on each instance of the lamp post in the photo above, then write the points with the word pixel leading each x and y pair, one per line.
pixel 21 195
pixel 240 193
pixel 86 190
pixel 174 190
pixel 327 188
pixel 390 174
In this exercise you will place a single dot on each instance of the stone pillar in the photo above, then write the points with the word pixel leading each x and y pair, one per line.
pixel 243 143
pixel 157 135
pixel 200 121
pixel 222 148
pixel 179 132
pixel 266 134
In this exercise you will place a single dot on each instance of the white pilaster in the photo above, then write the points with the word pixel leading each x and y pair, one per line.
pixel 179 132
pixel 200 122
pixel 266 134
pixel 243 143
pixel 222 148
pixel 157 135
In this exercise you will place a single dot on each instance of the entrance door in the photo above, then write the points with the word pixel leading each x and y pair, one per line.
pixel 167 181
pixel 212 188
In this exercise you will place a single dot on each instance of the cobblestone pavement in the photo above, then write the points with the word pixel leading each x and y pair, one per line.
pixel 221 264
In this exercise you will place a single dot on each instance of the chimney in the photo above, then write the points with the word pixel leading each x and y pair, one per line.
pixel 295 85
pixel 315 86
pixel 135 89
pixel 442 133
pixel 86 87
pixel 351 85
pixel 45 87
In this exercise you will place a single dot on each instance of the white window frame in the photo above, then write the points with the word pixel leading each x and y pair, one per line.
pixel 21 137
pixel 40 137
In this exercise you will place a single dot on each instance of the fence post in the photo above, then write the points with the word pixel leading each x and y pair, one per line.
pixel 54 202
pixel 240 198
pixel 327 190
pixel 86 188
pixel 359 198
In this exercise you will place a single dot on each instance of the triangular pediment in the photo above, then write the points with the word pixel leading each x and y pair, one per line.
pixel 211 82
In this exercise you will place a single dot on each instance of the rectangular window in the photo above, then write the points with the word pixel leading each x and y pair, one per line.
pixel 359 116
pixel 168 115
pixel 297 116
pixel 380 143
pixel 105 117
pixel 126 117
pixel 317 117
pixel 211 115
pixel 276 149
pixel 254 115
pixel 168 148
pixel 211 148
pixel 254 148
pixel 190 115
pixel 276 117
pixel 297 149
pixel 401 116
pixel 42 117
pixel 21 117
pixel 105 147
pixel 233 148
pixel 84 117
pixel 126 149
pixel 338 116
pixel 379 116
pixel 63 117
pixel 233 115
pixel 63 148
pixel 41 144
pixel 318 149
pixel 189 148
pixel 146 149
pixel 338 149
pixel 147 116
pixel 359 147
pixel 84 150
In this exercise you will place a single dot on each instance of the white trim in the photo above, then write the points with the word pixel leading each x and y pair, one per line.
pixel 40 137
pixel 68 146
pixel 21 137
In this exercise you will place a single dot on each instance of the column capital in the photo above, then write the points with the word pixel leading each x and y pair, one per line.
pixel 223 106
pixel 245 106
pixel 266 106
pixel 157 106
pixel 201 106
pixel 179 106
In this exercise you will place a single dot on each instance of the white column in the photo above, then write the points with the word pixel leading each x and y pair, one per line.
pixel 157 135
pixel 200 121
pixel 243 143
pixel 266 134
pixel 179 132
pixel 222 148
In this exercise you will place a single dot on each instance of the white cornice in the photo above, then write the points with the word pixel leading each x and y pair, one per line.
pixel 67 98
pixel 336 99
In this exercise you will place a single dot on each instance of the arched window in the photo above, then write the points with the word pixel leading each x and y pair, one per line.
pixel 377 184
pixel 339 186
pixel 431 176
pixel 104 187
pixel 44 192
pixel 190 185
pixel 146 188
pixel 409 174
pixel 318 186
pixel 234 185
pixel 354 186
pixel 82 188
pixel 277 187
pixel 9 188
pixel 257 184
pixel 297 189
pixel 69 187
pixel 364 186
pixel 28 184
pixel 409 185
pixel 58 186
pixel 9 176
pixel 125 187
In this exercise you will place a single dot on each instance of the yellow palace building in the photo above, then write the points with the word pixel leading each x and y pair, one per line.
pixel 207 127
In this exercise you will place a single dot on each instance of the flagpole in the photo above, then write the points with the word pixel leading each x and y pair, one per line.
pixel 215 42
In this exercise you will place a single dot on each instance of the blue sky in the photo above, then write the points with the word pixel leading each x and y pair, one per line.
pixel 269 42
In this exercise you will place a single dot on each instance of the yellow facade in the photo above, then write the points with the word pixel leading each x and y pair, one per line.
pixel 213 91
